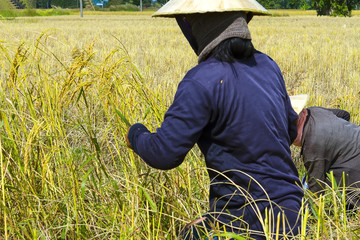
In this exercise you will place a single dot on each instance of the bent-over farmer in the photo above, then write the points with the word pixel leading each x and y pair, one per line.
pixel 330 143
pixel 235 106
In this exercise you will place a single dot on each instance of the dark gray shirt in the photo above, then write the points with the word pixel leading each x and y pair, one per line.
pixel 330 143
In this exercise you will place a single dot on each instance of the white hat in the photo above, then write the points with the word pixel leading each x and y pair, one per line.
pixel 180 7
pixel 298 102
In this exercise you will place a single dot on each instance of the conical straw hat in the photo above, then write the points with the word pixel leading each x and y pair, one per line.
pixel 298 102
pixel 177 7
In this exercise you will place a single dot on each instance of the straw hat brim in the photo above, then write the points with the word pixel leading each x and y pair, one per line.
pixel 298 102
pixel 182 7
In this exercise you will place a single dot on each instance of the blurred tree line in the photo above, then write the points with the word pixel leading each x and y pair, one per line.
pixel 76 3
pixel 49 3
pixel 323 7
pixel 286 4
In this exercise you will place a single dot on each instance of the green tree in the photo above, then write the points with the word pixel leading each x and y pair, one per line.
pixel 304 5
pixel 290 4
pixel 43 4
pixel 335 7
pixel 340 8
pixel 353 4
pixel 146 3
pixel 271 4
pixel 30 3
pixel 285 4
pixel 323 7
pixel 162 2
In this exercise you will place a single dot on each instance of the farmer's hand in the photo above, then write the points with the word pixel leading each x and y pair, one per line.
pixel 127 139
pixel 133 133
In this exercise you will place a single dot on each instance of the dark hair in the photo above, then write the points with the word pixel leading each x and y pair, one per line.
pixel 233 49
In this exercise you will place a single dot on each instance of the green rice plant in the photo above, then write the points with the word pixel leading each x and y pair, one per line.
pixel 331 215
pixel 62 138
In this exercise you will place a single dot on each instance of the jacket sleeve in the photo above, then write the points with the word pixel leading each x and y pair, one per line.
pixel 292 117
pixel 316 173
pixel 341 114
pixel 182 126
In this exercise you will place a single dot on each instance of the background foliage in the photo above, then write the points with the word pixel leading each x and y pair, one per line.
pixel 335 7
pixel 285 4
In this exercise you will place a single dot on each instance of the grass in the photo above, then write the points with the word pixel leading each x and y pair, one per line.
pixel 4 4
pixel 69 83
pixel 32 13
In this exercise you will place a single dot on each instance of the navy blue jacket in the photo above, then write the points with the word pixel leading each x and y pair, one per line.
pixel 241 117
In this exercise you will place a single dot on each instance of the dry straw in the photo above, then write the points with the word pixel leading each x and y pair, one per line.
pixel 69 87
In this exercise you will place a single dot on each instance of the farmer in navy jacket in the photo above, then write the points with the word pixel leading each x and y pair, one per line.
pixel 235 106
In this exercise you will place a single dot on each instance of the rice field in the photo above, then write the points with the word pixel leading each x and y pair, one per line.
pixel 69 85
